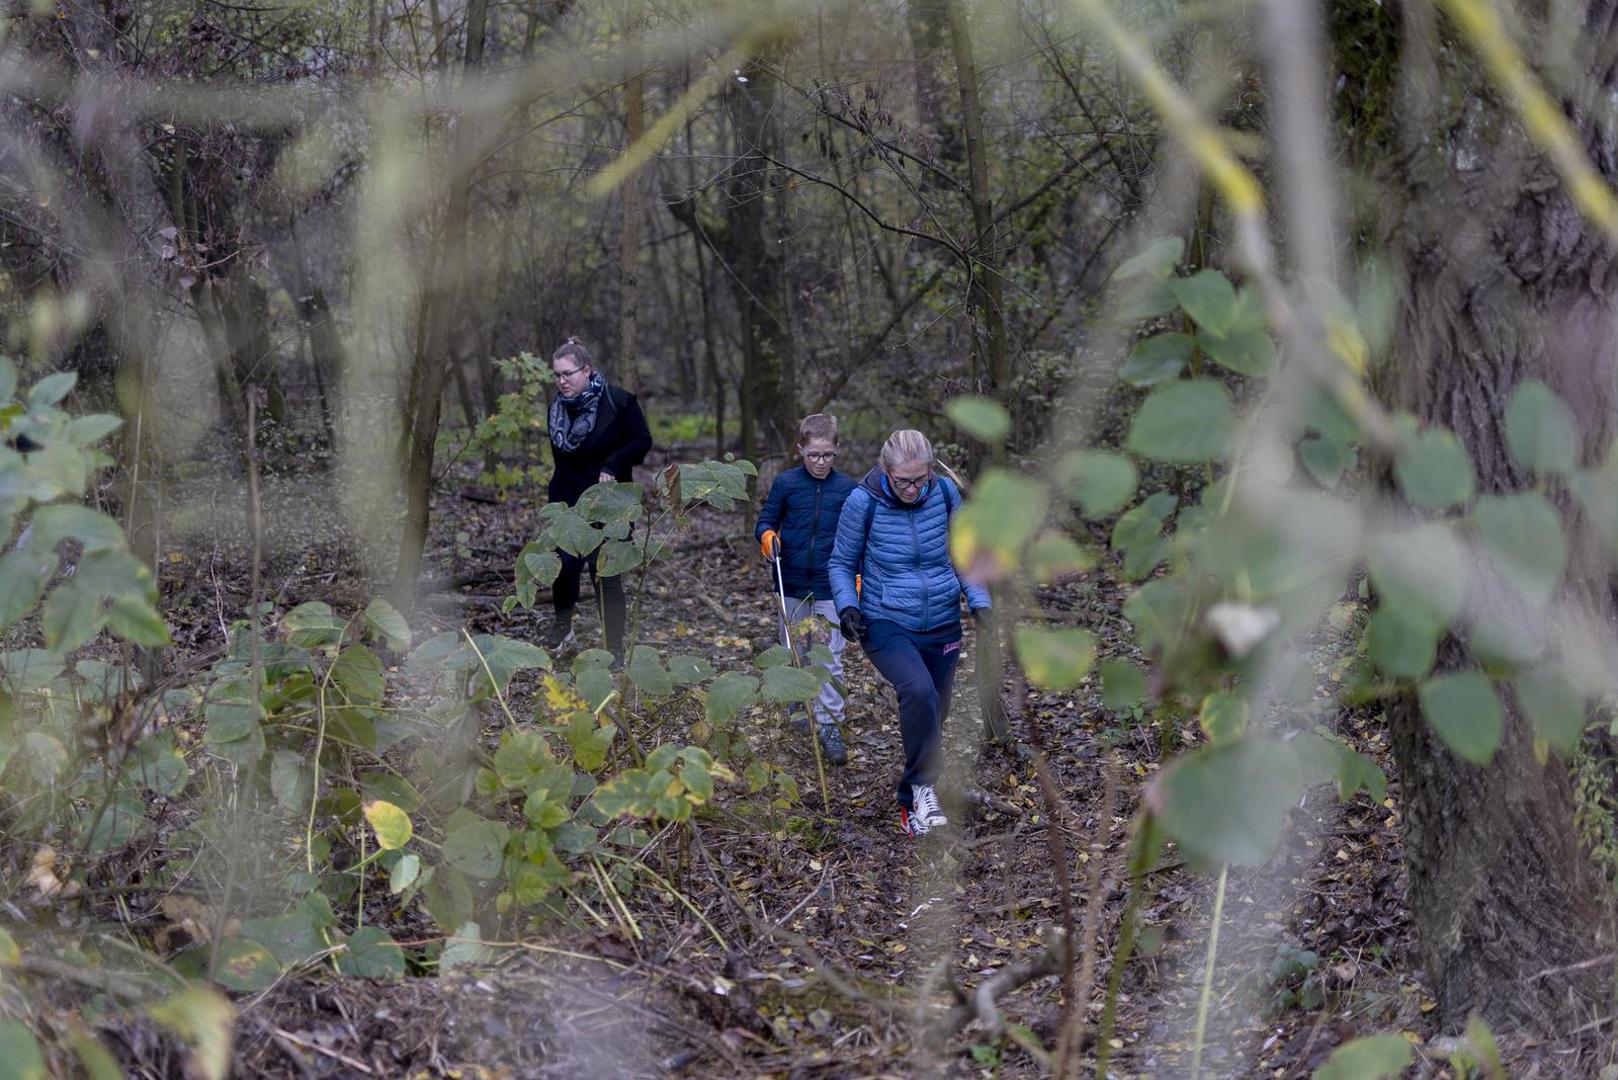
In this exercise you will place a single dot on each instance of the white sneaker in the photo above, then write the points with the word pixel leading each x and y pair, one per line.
pixel 924 814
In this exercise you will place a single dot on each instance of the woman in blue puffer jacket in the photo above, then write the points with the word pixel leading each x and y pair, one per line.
pixel 894 531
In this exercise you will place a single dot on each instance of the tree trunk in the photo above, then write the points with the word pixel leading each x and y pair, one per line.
pixel 629 242
pixel 1505 283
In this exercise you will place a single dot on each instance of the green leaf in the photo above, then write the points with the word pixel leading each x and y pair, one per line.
pixel 1553 703
pixel 1540 429
pixel 1326 458
pixel 464 948
pixel 605 504
pixel 8 379
pixel 232 712
pixel 1122 684
pixel 136 621
pixel 687 670
pixel 1155 610
pixel 1055 659
pixel 20 1052
pixel 1247 352
pixel 96 1061
pixel 474 845
pixel 1156 259
pixel 44 755
pixel 1401 643
pixel 1100 482
pixel 1370 1057
pixel 9 953
pixel 51 389
pixel 1433 470
pixel 1185 423
pixel 87 430
pixel 1209 298
pixel 296 936
pixel 246 966
pixel 23 574
pixel 728 695
pixel 313 624
pixel 774 656
pixel 384 620
pixel 1054 556
pixel 618 557
pixel 290 781
pixel 590 740
pixel 570 531
pixel 391 824
pixel 404 873
pixel 1223 717
pixel 988 533
pixel 1229 803
pixel 1463 709
pixel 121 821
pixel 1523 534
pixel 983 418
pixel 1138 533
pixel 505 657
pixel 1156 359
pixel 358 677
pixel 206 1021
pixel 541 565
pixel 1146 299
pixel 648 674
pixel 447 895
pixel 372 954
pixel 1421 571
pixel 71 616
pixel 790 685
pixel 70 521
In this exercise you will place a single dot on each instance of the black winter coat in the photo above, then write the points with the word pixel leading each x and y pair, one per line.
pixel 804 512
pixel 619 441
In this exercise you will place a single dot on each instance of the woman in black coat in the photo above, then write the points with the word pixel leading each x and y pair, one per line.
pixel 598 436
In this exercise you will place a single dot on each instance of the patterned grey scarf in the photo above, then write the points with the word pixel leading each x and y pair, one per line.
pixel 572 419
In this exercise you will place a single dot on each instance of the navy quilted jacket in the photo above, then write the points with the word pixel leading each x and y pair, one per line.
pixel 908 577
pixel 804 511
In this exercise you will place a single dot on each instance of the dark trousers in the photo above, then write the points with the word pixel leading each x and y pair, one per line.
pixel 921 667
pixel 609 594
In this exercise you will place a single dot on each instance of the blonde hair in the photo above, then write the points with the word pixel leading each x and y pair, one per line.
pixel 909 445
pixel 817 426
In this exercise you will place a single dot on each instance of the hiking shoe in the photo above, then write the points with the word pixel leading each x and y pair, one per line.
pixel 924 814
pixel 798 724
pixel 831 744
pixel 559 638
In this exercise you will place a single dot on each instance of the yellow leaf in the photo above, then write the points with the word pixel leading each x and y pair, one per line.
pixel 392 825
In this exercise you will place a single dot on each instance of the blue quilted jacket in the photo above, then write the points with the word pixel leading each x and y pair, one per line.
pixel 908 577
pixel 804 512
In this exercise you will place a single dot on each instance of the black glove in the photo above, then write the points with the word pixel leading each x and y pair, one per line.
pixel 851 623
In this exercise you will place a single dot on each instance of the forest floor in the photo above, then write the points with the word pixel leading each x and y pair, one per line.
pixel 819 940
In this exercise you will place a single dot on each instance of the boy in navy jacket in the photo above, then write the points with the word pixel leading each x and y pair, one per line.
pixel 797 525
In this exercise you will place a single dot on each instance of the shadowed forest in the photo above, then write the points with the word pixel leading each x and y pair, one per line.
pixel 1268 357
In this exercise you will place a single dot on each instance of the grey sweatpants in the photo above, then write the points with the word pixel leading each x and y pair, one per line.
pixel 815 622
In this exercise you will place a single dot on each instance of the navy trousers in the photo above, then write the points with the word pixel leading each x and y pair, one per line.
pixel 921 667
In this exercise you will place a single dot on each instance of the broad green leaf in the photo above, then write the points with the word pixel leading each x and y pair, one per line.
pixel 1401 643
pixel 1433 470
pixel 71 521
pixel 358 677
pixel 404 873
pixel 774 656
pixel 983 418
pixel 1155 610
pixel 1156 359
pixel 464 948
pixel 1229 803
pixel 618 557
pixel 20 1052
pixel 1156 259
pixel 1100 482
pixel 70 617
pixel 1463 709
pixel 474 845
pixel 290 780
pixel 1369 1057
pixel 987 534
pixel 542 565
pixel 1223 717
pixel 572 533
pixel 23 574
pixel 728 695
pixel 137 622
pixel 232 712
pixel 391 824
pixel 1326 458
pixel 1055 659
pixel 1185 423
pixel 1122 684
pixel 1420 570
pixel 87 430
pixel 1523 534
pixel 1247 352
pixel 503 657
pixel 8 379
pixel 590 740
pixel 1054 556
pixel 51 389
pixel 790 685
pixel 372 954
pixel 1209 298
pixel 296 936
pixel 121 821
pixel 44 755
pixel 1138 533
pixel 96 1061
pixel 1553 703
pixel 646 671
pixel 1146 299
pixel 205 1020
pixel 447 896
pixel 523 760
pixel 1327 758
pixel 604 504
pixel 390 787
pixel 690 669
pixel 1540 429
pixel 246 966
pixel 313 624
pixel 384 620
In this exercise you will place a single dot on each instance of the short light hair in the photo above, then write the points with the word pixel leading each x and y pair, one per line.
pixel 906 446
pixel 817 426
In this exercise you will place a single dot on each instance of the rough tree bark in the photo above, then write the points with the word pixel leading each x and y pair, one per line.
pixel 1505 283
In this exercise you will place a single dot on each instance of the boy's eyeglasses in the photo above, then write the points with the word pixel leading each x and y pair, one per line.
pixel 907 483
pixel 819 455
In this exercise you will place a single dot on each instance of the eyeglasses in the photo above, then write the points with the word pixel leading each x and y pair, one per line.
pixel 906 483
pixel 568 374
pixel 819 455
